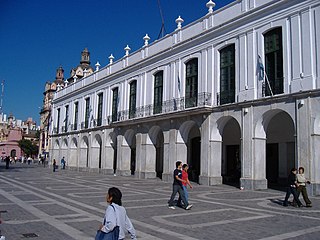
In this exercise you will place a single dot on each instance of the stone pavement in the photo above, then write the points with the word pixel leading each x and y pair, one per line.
pixel 70 205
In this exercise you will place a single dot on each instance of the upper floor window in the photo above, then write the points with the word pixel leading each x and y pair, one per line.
pixel 273 62
pixel 115 102
pixel 191 83
pixel 227 74
pixel 58 119
pixel 66 120
pixel 158 91
pixel 76 113
pixel 133 99
pixel 87 113
pixel 100 105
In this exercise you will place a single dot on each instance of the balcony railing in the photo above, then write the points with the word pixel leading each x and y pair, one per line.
pixel 173 105
pixel 226 97
pixel 276 86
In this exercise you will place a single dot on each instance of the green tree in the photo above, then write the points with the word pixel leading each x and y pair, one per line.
pixel 28 147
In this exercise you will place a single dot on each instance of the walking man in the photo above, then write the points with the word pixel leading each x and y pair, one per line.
pixel 292 188
pixel 177 187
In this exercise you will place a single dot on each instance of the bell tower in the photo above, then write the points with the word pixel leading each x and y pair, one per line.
pixel 85 57
pixel 59 76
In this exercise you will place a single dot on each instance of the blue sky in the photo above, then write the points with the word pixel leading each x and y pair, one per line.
pixel 37 36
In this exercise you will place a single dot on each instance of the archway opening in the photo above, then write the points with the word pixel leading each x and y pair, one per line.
pixel 115 155
pixel 99 146
pixel 84 152
pixel 231 161
pixel 13 153
pixel 194 153
pixel 159 154
pixel 133 156
pixel 280 149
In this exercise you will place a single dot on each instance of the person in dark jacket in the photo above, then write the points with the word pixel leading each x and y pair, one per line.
pixel 292 188
pixel 7 159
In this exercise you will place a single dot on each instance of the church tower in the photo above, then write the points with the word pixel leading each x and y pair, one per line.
pixel 85 58
pixel 59 76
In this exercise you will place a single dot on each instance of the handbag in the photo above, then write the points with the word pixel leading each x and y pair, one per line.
pixel 112 235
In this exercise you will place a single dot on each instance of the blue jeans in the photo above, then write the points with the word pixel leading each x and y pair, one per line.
pixel 186 194
pixel 177 189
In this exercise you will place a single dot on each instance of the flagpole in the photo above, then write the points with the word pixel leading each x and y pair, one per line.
pixel 179 85
pixel 265 76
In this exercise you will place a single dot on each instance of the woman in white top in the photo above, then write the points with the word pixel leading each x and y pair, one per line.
pixel 301 181
pixel 116 215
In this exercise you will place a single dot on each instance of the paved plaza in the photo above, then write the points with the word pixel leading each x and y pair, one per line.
pixel 70 205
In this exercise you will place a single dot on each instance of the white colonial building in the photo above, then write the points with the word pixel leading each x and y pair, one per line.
pixel 236 94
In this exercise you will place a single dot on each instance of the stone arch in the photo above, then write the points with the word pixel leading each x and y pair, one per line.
pixel 56 144
pixel 276 132
pixel 97 141
pixel 263 122
pixel 112 148
pixel 185 128
pixel 73 153
pixel 96 151
pixel 74 143
pixel 230 132
pixel 84 152
pixel 129 143
pixel 155 154
pixel 64 143
pixel 129 137
pixel 84 142
pixel 190 148
pixel 13 153
pixel 64 150
pixel 56 149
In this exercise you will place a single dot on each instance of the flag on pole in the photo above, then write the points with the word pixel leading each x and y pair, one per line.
pixel 179 85
pixel 118 100
pixel 262 74
pixel 260 68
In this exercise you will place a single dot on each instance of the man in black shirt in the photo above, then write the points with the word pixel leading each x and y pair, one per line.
pixel 292 188
pixel 177 187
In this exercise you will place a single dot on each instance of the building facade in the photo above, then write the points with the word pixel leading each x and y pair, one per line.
pixel 45 113
pixel 82 70
pixel 13 130
pixel 235 94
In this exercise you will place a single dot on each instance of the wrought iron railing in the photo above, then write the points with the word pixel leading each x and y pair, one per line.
pixel 173 105
pixel 226 97
pixel 275 85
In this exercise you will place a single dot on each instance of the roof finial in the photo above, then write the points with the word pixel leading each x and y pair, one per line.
pixel 127 49
pixel 179 21
pixel 210 5
pixel 111 57
pixel 146 39
pixel 97 66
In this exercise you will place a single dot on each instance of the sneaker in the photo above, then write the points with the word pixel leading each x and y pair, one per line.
pixel 172 207
pixel 308 205
pixel 188 207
